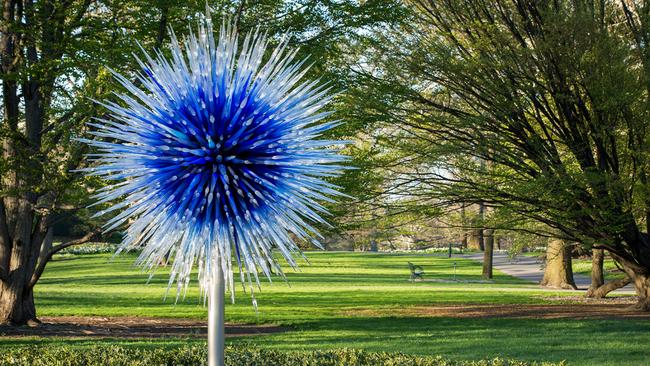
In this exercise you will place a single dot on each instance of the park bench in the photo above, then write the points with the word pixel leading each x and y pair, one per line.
pixel 416 271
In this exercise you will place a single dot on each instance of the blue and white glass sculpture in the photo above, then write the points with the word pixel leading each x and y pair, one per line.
pixel 217 153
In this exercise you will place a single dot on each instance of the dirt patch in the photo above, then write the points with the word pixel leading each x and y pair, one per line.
pixel 565 311
pixel 130 327
pixel 612 300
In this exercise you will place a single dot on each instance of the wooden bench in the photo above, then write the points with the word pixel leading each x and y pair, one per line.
pixel 416 271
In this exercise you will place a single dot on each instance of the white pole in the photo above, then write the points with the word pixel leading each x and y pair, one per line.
pixel 216 313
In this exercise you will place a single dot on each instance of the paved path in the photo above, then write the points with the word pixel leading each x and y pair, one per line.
pixel 530 269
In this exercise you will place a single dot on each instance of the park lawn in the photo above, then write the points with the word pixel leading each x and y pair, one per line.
pixel 332 283
pixel 611 272
pixel 352 300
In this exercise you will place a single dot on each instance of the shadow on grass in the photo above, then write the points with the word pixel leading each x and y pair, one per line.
pixel 580 342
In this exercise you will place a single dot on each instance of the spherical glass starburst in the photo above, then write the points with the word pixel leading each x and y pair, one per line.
pixel 217 153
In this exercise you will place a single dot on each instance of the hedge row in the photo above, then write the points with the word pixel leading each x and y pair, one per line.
pixel 90 248
pixel 235 356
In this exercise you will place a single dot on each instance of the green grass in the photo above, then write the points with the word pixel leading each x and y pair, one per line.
pixel 350 300
pixel 611 272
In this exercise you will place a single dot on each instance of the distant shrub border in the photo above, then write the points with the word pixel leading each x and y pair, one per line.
pixel 90 248
pixel 235 356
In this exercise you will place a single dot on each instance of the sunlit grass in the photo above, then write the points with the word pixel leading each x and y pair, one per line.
pixel 611 272
pixel 350 300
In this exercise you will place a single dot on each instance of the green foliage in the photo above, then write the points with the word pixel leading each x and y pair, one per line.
pixel 539 110
pixel 235 356
pixel 95 36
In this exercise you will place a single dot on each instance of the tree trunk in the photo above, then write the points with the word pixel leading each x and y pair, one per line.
pixel 597 277
pixel 17 304
pixel 642 286
pixel 373 246
pixel 602 291
pixel 33 39
pixel 463 244
pixel 640 277
pixel 488 253
pixel 16 295
pixel 475 240
pixel 481 216
pixel 558 272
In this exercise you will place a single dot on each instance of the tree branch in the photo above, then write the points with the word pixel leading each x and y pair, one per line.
pixel 608 287
pixel 41 265
pixel 162 26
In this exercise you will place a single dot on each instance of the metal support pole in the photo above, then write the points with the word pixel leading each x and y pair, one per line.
pixel 216 314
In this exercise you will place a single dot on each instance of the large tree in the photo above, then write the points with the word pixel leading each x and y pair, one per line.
pixel 554 94
pixel 52 55
pixel 52 61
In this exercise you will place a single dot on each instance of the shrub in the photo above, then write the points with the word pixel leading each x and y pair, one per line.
pixel 105 355
pixel 90 248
